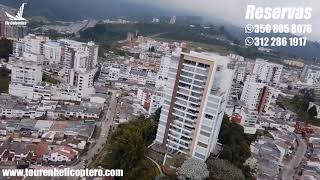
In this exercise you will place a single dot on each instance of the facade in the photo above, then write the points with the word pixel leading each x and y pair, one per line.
pixel 259 100
pixel 28 73
pixel 266 72
pixel 79 55
pixel 53 52
pixel 83 81
pixel 311 75
pixel 194 103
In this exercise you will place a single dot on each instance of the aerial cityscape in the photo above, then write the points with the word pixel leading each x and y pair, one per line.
pixel 158 93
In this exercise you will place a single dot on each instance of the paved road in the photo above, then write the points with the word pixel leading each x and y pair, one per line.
pixel 106 122
pixel 288 172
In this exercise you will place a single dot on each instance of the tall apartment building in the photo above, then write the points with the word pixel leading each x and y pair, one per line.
pixel 53 52
pixel 75 51
pixel 266 72
pixel 83 81
pixel 195 98
pixel 34 44
pixel 259 100
pixel 24 75
pixel 31 48
pixel 310 75
pixel 162 75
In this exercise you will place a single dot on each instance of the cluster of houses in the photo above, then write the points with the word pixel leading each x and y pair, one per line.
pixel 311 165
pixel 14 107
pixel 43 142
pixel 269 152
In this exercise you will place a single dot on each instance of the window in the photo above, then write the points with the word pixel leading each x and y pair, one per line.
pixel 202 145
pixel 204 133
pixel 208 116
pixel 199 155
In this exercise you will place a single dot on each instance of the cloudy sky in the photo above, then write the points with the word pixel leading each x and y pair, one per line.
pixel 234 10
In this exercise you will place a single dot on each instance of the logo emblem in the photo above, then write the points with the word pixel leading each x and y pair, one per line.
pixel 18 19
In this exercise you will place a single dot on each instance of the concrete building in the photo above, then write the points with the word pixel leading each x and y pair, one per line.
pixel 259 100
pixel 311 75
pixel 266 72
pixel 24 76
pixel 83 81
pixel 79 55
pixel 194 102
pixel 34 44
pixel 53 52
pixel 162 75
pixel 23 72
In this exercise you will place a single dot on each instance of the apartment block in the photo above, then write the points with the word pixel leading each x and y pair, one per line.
pixel 24 75
pixel 195 97
pixel 83 81
pixel 267 72
pixel 53 52
pixel 259 100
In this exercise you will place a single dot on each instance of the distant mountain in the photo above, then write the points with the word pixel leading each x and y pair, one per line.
pixel 83 9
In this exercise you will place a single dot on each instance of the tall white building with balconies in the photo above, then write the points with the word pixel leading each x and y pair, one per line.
pixel 24 76
pixel 266 72
pixel 195 97
pixel 75 52
pixel 83 81
pixel 53 52
pixel 259 100
pixel 34 44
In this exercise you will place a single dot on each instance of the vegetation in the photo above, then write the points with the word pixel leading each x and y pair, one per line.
pixel 193 169
pixel 127 148
pixel 236 145
pixel 223 170
pixel 300 104
pixel 49 79
pixel 4 80
pixel 5 48
pixel 213 38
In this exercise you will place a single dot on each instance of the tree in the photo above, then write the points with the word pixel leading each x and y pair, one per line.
pixel 223 170
pixel 128 145
pixel 193 169
pixel 313 111
pixel 5 48
pixel 236 145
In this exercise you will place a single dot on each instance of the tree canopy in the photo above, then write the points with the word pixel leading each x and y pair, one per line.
pixel 128 145
pixel 5 48
pixel 236 146
pixel 223 169
pixel 193 169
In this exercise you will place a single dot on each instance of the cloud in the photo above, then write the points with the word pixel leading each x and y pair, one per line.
pixel 234 10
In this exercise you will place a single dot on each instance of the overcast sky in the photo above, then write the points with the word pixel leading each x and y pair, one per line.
pixel 234 10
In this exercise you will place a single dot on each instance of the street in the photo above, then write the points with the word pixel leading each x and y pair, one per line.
pixel 288 172
pixel 106 122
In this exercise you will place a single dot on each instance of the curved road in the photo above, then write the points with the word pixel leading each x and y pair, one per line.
pixel 288 172
pixel 106 122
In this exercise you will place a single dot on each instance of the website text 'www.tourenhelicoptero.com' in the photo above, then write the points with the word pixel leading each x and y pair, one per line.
pixel 67 172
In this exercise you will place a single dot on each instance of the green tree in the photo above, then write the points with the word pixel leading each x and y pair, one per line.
pixel 223 169
pixel 5 48
pixel 128 145
pixel 236 146
pixel 193 169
